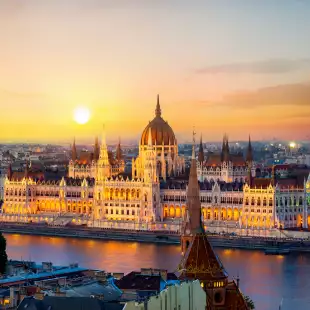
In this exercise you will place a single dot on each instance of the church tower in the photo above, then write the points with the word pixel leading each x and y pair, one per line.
pixel 96 149
pixel 103 164
pixel 199 260
pixel 201 156
pixel 74 153
pixel 249 162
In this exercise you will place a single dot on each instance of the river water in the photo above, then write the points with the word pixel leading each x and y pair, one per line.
pixel 266 279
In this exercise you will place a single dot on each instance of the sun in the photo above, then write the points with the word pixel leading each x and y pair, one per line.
pixel 81 115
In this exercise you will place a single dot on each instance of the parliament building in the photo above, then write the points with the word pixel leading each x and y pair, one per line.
pixel 98 189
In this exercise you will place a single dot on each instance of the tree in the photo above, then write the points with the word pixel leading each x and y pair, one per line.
pixel 3 255
pixel 249 302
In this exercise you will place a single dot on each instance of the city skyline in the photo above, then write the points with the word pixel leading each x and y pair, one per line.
pixel 240 69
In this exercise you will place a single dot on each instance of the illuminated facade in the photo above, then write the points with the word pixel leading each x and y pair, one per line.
pixel 98 189
pixel 225 167
pixel 164 142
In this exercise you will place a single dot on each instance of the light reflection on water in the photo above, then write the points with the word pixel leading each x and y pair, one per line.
pixel 267 279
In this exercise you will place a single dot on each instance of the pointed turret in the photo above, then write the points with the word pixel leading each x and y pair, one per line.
pixel 249 155
pixel 225 149
pixel 103 163
pixel 158 109
pixel 74 153
pixel 10 172
pixel 201 156
pixel 96 149
pixel 27 169
pixel 119 152
pixel 193 197
pixel 199 262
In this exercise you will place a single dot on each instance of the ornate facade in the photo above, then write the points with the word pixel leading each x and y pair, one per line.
pixel 168 162
pixel 86 165
pixel 97 188
pixel 225 166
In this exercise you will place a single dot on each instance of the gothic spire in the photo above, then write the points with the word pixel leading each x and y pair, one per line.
pixel 96 149
pixel 249 155
pixel 26 169
pixel 225 149
pixel 158 109
pixel 74 153
pixel 119 153
pixel 10 172
pixel 200 153
pixel 193 196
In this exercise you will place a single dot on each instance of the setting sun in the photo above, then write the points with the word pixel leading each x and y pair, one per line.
pixel 81 115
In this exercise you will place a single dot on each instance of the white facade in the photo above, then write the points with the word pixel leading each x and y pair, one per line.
pixel 185 296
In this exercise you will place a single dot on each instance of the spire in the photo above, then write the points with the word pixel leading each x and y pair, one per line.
pixel 225 149
pixel 74 153
pixel 193 146
pixel 200 153
pixel 158 109
pixel 119 153
pixel 26 169
pixel 96 149
pixel 249 155
pixel 193 196
pixel 10 172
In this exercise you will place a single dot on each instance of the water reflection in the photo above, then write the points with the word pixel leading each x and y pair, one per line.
pixel 267 279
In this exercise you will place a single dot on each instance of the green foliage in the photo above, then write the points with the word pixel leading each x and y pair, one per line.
pixel 249 302
pixel 3 255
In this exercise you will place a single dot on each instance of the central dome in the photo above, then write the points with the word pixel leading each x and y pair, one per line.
pixel 162 133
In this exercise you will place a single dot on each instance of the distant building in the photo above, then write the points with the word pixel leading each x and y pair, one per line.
pixel 225 167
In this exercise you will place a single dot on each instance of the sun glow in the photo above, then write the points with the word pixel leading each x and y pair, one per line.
pixel 81 115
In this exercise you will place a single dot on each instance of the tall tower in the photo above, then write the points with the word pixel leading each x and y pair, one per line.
pixel 249 162
pixel 96 149
pixel 74 153
pixel 193 223
pixel 249 155
pixel 201 157
pixel 103 163
pixel 200 261
pixel 119 152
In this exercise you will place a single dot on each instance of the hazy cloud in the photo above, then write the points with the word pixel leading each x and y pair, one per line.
pixel 271 66
pixel 297 95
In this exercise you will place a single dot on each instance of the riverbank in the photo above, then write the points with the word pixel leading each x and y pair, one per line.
pixel 159 237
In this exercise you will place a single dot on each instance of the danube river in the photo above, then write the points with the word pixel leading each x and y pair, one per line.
pixel 267 279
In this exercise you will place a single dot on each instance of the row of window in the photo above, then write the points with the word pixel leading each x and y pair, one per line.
pixel 258 201
pixel 121 212
pixel 258 210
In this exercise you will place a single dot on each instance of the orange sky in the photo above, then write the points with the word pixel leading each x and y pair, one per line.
pixel 241 70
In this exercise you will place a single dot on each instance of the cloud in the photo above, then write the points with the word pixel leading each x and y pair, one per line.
pixel 271 66
pixel 295 97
